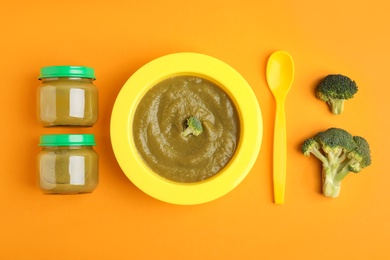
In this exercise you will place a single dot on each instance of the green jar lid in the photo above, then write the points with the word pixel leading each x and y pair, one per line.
pixel 67 71
pixel 67 140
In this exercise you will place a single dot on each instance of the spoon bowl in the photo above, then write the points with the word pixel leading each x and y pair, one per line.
pixel 280 75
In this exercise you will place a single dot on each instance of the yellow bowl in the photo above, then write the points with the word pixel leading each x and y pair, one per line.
pixel 194 64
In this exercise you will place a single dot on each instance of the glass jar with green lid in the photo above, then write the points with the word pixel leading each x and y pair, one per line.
pixel 68 164
pixel 67 96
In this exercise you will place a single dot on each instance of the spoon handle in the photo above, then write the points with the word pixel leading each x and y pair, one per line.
pixel 279 156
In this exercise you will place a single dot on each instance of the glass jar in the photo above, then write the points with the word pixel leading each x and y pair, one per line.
pixel 68 164
pixel 67 96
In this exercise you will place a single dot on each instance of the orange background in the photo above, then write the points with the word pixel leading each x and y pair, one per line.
pixel 118 221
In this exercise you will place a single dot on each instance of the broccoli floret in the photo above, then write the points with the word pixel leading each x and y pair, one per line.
pixel 334 89
pixel 194 126
pixel 340 153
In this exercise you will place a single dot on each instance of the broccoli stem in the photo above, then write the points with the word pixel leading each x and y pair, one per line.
pixel 320 156
pixel 333 174
pixel 187 131
pixel 336 105
pixel 331 186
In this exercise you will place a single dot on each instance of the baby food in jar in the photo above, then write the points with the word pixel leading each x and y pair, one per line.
pixel 67 96
pixel 68 164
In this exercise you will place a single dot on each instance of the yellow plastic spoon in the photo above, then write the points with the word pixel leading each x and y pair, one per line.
pixel 280 75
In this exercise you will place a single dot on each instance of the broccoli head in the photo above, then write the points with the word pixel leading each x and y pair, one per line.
pixel 194 126
pixel 334 89
pixel 340 153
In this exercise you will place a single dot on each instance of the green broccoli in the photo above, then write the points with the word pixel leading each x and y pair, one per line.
pixel 334 89
pixel 194 126
pixel 340 153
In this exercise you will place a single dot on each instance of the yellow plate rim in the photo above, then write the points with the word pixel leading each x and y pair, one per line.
pixel 196 64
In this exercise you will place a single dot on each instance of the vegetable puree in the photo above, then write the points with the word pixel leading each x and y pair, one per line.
pixel 67 102
pixel 161 116
pixel 68 170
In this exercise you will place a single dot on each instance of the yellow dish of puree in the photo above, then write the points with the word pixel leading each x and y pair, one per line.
pixel 146 139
